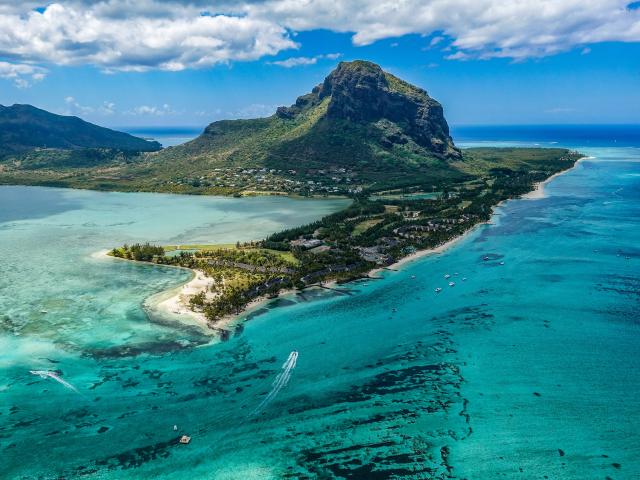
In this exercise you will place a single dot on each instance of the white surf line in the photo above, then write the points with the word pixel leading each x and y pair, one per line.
pixel 48 374
pixel 280 382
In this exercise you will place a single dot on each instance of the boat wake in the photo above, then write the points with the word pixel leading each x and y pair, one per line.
pixel 279 383
pixel 49 374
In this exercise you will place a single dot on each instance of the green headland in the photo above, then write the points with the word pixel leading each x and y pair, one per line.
pixel 361 133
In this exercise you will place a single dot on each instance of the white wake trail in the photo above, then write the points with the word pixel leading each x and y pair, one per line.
pixel 280 382
pixel 48 374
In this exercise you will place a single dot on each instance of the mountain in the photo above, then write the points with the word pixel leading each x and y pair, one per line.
pixel 360 117
pixel 360 131
pixel 24 128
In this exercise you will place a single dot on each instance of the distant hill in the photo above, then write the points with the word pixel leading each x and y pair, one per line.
pixel 24 128
pixel 360 117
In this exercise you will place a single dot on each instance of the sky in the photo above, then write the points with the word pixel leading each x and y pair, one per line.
pixel 128 63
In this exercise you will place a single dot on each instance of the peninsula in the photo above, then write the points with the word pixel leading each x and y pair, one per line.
pixel 362 133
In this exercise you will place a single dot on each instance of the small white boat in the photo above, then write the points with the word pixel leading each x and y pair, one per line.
pixel 464 279
pixel 447 276
pixel 451 284
pixel 486 258
pixel 501 263
pixel 438 290
pixel 413 276
pixel 455 274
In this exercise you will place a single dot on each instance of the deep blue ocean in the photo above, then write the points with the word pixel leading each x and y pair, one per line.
pixel 528 369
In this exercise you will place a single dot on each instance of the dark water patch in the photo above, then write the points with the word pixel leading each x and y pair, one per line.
pixel 137 457
pixel 551 277
pixel 77 414
pixel 124 351
pixel 130 383
pixel 25 423
pixel 371 461
pixel 27 203
pixel 256 313
pixel 280 302
pixel 490 257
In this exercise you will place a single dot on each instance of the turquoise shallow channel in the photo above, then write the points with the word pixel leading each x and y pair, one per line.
pixel 528 369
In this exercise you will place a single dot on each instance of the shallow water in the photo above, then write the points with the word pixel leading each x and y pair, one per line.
pixel 523 370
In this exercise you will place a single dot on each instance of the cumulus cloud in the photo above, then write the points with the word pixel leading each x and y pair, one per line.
pixel 22 75
pixel 253 110
pixel 151 110
pixel 73 107
pixel 136 36
pixel 477 28
pixel 140 35
pixel 298 61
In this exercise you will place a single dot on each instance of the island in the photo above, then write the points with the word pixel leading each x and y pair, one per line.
pixel 362 133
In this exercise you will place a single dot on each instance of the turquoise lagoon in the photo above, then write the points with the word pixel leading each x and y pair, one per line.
pixel 529 368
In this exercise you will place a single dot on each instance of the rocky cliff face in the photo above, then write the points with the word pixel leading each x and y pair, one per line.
pixel 362 92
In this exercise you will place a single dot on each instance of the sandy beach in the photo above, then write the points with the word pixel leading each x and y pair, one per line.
pixel 430 251
pixel 538 189
pixel 178 303
pixel 175 301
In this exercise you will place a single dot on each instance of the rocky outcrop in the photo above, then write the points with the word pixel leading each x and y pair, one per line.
pixel 362 92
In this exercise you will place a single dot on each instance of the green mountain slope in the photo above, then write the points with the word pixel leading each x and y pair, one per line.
pixel 359 117
pixel 24 128
pixel 360 131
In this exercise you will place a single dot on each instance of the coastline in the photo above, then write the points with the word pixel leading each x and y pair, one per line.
pixel 178 302
pixel 538 191
pixel 429 251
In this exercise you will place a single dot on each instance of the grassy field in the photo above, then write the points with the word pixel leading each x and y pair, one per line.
pixel 365 225
pixel 287 256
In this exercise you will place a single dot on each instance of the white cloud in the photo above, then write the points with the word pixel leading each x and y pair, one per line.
pixel 151 111
pixel 254 110
pixel 298 61
pixel 136 36
pixel 478 28
pixel 173 35
pixel 560 110
pixel 22 75
pixel 435 41
pixel 107 108
pixel 75 108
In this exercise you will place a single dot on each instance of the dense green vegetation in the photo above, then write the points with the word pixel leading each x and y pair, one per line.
pixel 140 252
pixel 361 129
pixel 24 128
pixel 374 231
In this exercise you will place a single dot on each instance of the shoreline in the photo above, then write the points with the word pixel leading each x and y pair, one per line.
pixel 177 302
pixel 173 301
pixel 442 248
pixel 538 191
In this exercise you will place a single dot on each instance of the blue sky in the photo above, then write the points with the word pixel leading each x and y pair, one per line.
pixel 504 79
